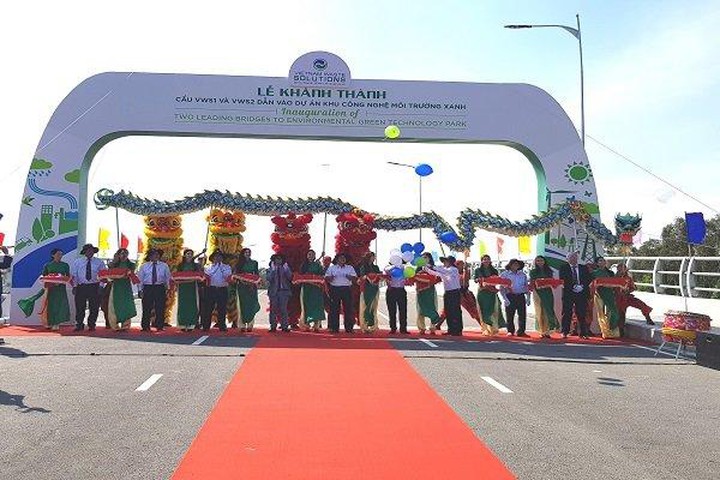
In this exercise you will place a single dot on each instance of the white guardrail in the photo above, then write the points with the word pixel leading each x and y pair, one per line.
pixel 678 274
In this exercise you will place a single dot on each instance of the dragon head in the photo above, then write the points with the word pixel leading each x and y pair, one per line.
pixel 226 221
pixel 626 227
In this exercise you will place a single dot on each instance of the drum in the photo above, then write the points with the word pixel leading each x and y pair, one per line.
pixel 683 326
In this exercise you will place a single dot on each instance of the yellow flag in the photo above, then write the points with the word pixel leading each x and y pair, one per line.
pixel 524 245
pixel 482 248
pixel 104 240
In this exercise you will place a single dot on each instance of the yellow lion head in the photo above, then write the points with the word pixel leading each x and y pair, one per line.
pixel 163 226
pixel 226 221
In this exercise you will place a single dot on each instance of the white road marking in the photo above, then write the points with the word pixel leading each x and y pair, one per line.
pixel 200 340
pixel 149 382
pixel 428 342
pixel 597 371
pixel 497 384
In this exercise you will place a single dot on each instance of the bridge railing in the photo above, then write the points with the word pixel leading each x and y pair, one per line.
pixel 684 276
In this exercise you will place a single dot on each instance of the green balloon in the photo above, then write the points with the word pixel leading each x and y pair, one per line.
pixel 392 131
pixel 409 272
pixel 421 262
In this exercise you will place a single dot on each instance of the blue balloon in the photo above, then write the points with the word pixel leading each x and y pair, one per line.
pixel 396 272
pixel 406 247
pixel 418 248
pixel 423 170
pixel 449 237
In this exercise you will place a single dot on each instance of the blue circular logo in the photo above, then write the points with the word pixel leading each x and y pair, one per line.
pixel 320 64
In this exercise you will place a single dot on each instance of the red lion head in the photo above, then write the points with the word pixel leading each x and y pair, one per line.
pixel 355 233
pixel 291 237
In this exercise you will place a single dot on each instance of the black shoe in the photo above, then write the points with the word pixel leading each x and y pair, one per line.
pixel 565 335
pixel 146 329
pixel 286 329
pixel 272 329
pixel 393 330
pixel 349 331
pixel 223 329
pixel 404 331
pixel 79 328
pixel 574 333
pixel 522 334
pixel 333 330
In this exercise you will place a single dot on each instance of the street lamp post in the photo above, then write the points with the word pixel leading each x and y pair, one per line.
pixel 419 189
pixel 575 32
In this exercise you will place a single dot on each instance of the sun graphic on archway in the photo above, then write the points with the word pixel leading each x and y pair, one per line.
pixel 578 173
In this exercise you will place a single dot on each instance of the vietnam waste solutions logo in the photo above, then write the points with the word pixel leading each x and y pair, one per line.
pixel 320 64
pixel 319 71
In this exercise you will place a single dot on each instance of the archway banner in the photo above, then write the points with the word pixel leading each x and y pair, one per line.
pixel 317 100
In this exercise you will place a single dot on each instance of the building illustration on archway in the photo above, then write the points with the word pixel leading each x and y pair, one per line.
pixel 319 101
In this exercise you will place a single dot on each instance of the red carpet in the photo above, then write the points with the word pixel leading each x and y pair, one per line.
pixel 313 407
pixel 474 335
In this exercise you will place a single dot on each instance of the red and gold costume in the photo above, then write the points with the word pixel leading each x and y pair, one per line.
pixel 355 234
pixel 292 240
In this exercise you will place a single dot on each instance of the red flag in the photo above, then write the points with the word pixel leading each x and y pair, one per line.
pixel 499 242
pixel 140 246
pixel 124 242
pixel 2 238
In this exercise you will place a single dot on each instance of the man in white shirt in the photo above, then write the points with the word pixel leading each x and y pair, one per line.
pixel 340 276
pixel 216 293
pixel 86 286
pixel 396 299
pixel 516 298
pixel 154 277
pixel 451 298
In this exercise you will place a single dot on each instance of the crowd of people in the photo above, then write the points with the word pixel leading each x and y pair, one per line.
pixel 336 286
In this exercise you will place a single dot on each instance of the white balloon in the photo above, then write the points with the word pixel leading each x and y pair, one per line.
pixel 395 252
pixel 396 260
pixel 408 256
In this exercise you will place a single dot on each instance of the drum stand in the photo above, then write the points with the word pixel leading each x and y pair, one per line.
pixel 681 345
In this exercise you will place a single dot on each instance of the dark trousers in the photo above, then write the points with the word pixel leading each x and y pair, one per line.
pixel 396 298
pixel 153 300
pixel 577 302
pixel 279 308
pixel 453 313
pixel 87 295
pixel 337 295
pixel 517 304
pixel 216 298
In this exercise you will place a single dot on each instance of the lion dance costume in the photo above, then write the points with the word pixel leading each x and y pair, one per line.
pixel 355 233
pixel 164 232
pixel 226 227
pixel 292 240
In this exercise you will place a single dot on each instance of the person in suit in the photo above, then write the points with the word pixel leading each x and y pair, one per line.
pixel 279 280
pixel 86 286
pixel 576 291
pixel 155 279
pixel 5 263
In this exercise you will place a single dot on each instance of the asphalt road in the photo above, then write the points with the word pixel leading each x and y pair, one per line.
pixel 69 406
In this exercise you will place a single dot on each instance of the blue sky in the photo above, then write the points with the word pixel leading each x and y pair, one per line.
pixel 652 75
